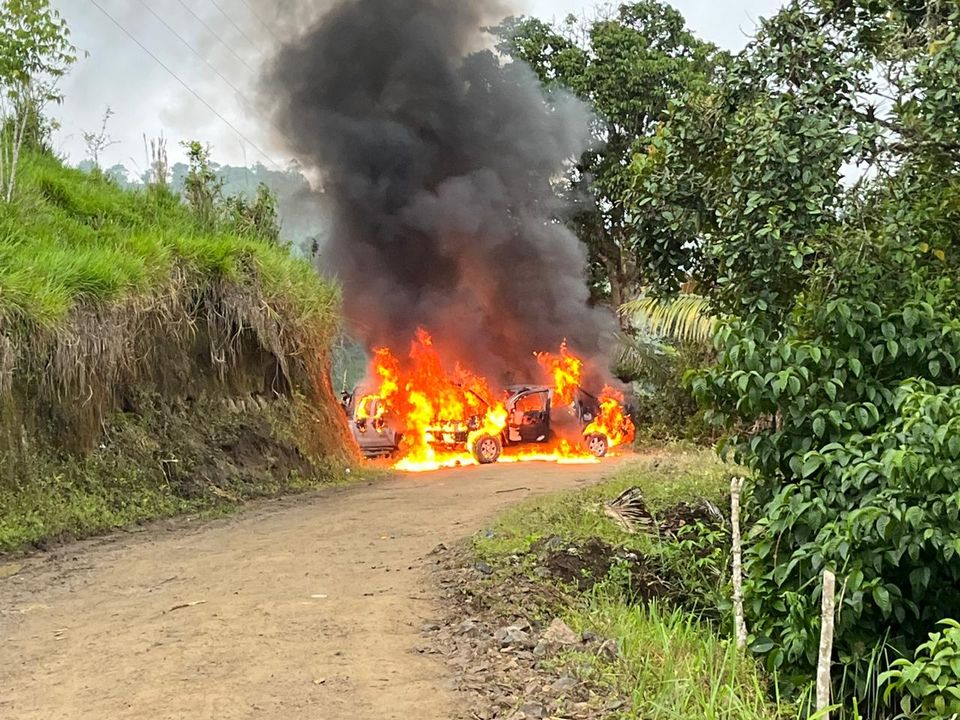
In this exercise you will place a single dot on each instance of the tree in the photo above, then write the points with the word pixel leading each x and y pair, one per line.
pixel 629 64
pixel 202 188
pixel 35 52
pixel 838 360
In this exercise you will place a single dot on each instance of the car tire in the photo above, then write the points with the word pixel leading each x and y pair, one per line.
pixel 486 449
pixel 597 444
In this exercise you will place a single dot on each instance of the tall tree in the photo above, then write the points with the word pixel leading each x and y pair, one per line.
pixel 629 64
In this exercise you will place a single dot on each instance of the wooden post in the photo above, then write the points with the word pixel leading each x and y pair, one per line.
pixel 739 623
pixel 827 612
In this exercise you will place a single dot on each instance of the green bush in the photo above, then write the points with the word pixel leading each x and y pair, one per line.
pixel 929 685
pixel 883 510
pixel 838 356
pixel 663 406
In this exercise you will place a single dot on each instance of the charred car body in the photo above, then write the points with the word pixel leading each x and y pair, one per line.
pixel 533 417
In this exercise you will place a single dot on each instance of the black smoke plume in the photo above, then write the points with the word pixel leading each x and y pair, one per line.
pixel 438 161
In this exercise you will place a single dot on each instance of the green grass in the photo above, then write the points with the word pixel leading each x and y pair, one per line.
pixel 673 666
pixel 71 237
pixel 159 463
pixel 672 663
pixel 666 478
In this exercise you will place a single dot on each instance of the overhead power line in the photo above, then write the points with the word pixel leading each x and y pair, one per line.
pixel 190 47
pixel 183 83
pixel 240 94
pixel 238 28
pixel 213 32
pixel 253 11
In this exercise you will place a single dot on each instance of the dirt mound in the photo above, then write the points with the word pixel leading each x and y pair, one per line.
pixel 583 565
pixel 590 563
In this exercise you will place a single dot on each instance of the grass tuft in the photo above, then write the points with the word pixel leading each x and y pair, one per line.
pixel 672 665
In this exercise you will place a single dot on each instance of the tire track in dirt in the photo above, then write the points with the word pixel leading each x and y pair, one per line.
pixel 308 607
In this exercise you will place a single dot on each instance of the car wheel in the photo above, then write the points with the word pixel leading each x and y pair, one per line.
pixel 597 444
pixel 486 449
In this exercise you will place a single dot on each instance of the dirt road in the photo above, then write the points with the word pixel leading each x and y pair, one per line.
pixel 309 607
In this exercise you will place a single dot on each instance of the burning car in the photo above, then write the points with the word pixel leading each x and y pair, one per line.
pixel 534 417
pixel 432 418
pixel 370 429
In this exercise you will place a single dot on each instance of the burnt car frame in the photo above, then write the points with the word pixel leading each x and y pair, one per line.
pixel 375 436
pixel 532 418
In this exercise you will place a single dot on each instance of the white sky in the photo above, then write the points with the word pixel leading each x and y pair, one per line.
pixel 232 40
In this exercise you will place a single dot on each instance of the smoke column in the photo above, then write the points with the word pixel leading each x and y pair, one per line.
pixel 437 161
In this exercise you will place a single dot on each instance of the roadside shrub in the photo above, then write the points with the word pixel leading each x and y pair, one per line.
pixel 663 406
pixel 699 556
pixel 929 685
pixel 883 510
pixel 257 218
pixel 202 189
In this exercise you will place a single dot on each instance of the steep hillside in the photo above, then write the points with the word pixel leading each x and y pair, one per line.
pixel 148 366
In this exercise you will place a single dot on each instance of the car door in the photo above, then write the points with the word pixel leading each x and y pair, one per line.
pixel 530 418
pixel 373 434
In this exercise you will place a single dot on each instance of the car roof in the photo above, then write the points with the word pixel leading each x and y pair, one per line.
pixel 516 389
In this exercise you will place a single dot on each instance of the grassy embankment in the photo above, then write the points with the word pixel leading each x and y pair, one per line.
pixel 676 659
pixel 148 365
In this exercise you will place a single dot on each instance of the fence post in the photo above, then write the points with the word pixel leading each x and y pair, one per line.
pixel 827 612
pixel 739 623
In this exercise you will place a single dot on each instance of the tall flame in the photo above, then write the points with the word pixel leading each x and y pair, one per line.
pixel 566 370
pixel 442 414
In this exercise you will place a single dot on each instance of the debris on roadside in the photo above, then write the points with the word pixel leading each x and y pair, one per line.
pixel 503 662
pixel 630 512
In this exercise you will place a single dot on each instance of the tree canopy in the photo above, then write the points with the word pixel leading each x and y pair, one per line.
pixel 630 64
pixel 809 189
pixel 814 192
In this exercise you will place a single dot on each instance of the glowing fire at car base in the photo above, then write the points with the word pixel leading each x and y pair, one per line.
pixel 428 418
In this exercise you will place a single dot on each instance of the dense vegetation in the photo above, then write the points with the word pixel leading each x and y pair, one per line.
pixel 808 189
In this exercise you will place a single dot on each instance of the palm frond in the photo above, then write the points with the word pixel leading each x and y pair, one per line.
pixel 686 318
pixel 644 358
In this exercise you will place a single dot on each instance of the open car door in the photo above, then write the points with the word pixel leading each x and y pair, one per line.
pixel 370 429
pixel 529 420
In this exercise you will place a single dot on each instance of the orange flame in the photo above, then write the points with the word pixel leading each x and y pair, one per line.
pixel 566 370
pixel 442 415
pixel 612 420
pixel 369 408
